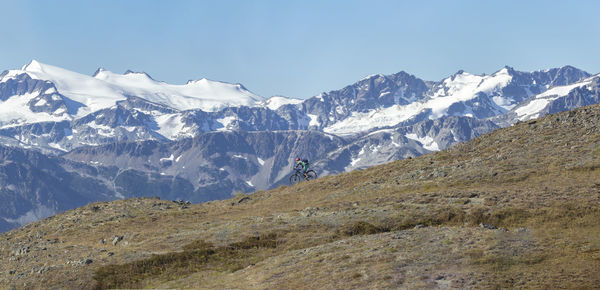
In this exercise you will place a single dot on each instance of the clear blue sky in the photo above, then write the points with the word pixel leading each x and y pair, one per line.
pixel 299 48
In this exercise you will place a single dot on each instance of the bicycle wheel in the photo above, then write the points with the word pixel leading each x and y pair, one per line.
pixel 295 178
pixel 311 174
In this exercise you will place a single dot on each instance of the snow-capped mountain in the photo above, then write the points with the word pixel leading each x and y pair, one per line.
pixel 135 136
pixel 56 110
pixel 462 94
pixel 45 89
pixel 557 99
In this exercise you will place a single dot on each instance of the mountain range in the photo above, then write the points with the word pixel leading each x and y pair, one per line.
pixel 131 135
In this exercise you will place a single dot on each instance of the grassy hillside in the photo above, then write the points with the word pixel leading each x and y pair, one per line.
pixel 519 207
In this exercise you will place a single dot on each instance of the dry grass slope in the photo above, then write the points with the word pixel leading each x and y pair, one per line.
pixel 518 207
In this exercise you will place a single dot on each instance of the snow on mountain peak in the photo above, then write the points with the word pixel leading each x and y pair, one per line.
pixel 462 94
pixel 229 91
pixel 92 93
pixel 128 79
pixel 504 70
pixel 460 87
pixel 33 65
pixel 465 86
pixel 534 107
pixel 508 68
pixel 371 77
pixel 98 71
pixel 202 80
pixel 276 102
pixel 105 88
pixel 139 74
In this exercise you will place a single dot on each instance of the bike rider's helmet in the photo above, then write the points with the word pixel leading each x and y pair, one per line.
pixel 297 159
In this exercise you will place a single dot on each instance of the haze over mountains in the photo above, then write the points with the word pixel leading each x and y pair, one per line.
pixel 206 140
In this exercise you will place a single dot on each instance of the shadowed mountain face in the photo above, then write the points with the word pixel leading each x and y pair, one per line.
pixel 126 134
pixel 34 186
pixel 243 159
pixel 517 207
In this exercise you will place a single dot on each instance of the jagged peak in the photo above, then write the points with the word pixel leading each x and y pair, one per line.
pixel 568 67
pixel 130 72
pixel 505 70
pixel 240 86
pixel 508 68
pixel 372 76
pixel 562 68
pixel 204 81
pixel 98 71
pixel 189 82
pixel 403 73
pixel 458 73
pixel 33 65
pixel 572 68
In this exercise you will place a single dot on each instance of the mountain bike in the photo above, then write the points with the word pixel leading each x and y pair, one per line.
pixel 299 175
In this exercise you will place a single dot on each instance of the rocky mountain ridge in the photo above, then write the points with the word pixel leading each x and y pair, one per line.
pixel 51 112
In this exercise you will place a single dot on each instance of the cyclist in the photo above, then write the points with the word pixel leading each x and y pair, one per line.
pixel 303 163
